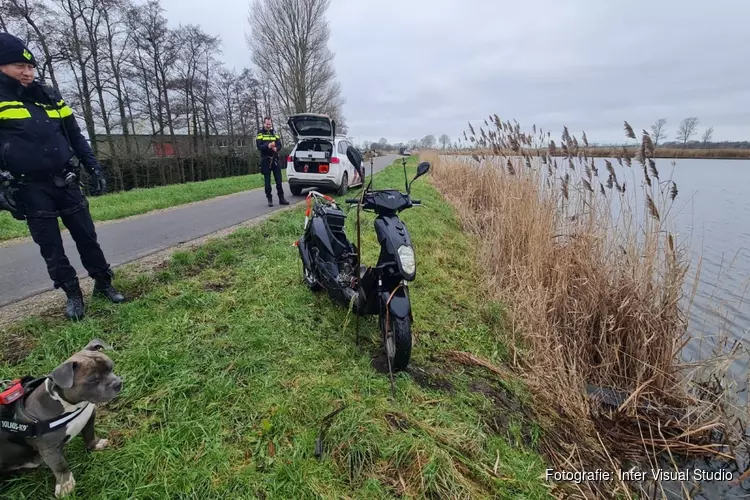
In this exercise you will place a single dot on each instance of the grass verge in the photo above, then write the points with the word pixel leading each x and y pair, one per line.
pixel 140 201
pixel 230 364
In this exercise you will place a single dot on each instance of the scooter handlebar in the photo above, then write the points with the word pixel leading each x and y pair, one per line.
pixel 352 200
pixel 414 201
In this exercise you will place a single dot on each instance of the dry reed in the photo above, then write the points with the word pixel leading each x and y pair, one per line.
pixel 584 258
pixel 609 152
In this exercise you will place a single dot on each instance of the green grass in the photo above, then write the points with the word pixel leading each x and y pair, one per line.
pixel 140 201
pixel 230 363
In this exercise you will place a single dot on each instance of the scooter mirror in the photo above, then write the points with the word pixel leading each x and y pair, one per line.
pixel 423 168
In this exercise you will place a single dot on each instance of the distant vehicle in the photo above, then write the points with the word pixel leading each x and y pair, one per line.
pixel 318 159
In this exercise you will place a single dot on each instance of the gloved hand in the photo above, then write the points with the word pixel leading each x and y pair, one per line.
pixel 7 200
pixel 97 185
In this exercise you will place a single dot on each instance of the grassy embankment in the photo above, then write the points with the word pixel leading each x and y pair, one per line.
pixel 140 201
pixel 230 363
pixel 594 296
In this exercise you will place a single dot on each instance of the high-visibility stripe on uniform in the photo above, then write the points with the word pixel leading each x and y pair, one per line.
pixel 58 110
pixel 14 113
pixel 264 137
pixel 63 112
pixel 16 110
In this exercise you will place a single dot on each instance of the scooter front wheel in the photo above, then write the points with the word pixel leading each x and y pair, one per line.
pixel 398 343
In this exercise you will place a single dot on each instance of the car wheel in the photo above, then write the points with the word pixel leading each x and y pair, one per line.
pixel 344 187
pixel 296 190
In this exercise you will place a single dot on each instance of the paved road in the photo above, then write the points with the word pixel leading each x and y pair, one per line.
pixel 23 273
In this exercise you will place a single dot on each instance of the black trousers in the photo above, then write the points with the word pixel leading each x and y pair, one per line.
pixel 268 165
pixel 43 202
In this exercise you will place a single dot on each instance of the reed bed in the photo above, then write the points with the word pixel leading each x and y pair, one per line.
pixel 583 255
pixel 611 152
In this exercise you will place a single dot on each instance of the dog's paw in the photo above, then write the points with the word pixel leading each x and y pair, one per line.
pixel 99 444
pixel 66 487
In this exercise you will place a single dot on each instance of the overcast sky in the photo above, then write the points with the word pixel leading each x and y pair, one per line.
pixel 409 68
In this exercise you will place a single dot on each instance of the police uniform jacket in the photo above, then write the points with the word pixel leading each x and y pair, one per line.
pixel 38 133
pixel 264 138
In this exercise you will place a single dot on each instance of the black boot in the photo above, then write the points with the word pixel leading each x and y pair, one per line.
pixel 103 288
pixel 270 201
pixel 74 309
pixel 282 200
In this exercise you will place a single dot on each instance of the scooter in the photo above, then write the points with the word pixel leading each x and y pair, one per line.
pixel 331 262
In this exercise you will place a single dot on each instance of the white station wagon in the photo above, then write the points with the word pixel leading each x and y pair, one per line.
pixel 318 159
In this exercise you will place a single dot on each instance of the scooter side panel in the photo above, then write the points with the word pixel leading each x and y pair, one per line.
pixel 303 253
pixel 319 236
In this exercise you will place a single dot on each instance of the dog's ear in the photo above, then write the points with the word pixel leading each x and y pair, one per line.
pixel 64 374
pixel 97 345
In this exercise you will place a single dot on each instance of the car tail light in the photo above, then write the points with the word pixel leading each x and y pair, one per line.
pixel 289 158
pixel 335 160
pixel 323 169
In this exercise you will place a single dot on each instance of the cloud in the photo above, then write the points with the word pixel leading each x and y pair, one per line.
pixel 418 67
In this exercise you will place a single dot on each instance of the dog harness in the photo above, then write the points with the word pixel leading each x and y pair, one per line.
pixel 14 419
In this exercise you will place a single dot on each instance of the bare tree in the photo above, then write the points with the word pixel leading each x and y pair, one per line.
pixel 707 134
pixel 77 51
pixel 658 130
pixel 686 130
pixel 445 141
pixel 209 67
pixel 246 91
pixel 116 49
pixel 289 40
pixel 192 81
pixel 155 55
pixel 157 50
pixel 428 141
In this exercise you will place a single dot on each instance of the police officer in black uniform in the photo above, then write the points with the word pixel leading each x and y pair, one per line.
pixel 269 145
pixel 40 147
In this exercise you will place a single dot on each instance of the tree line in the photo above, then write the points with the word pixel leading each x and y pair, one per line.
pixel 686 130
pixel 427 142
pixel 128 74
pixel 687 136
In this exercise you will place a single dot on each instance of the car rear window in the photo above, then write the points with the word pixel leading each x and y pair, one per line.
pixel 313 126
pixel 315 145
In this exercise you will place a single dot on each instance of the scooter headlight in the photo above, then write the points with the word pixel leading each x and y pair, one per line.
pixel 406 256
